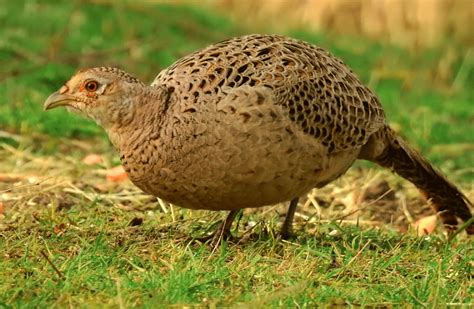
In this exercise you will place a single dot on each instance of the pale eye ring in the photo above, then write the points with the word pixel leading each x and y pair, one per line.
pixel 91 86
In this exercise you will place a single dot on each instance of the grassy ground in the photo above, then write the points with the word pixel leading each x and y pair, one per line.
pixel 111 245
pixel 76 239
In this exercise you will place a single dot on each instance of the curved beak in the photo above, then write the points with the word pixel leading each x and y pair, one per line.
pixel 57 99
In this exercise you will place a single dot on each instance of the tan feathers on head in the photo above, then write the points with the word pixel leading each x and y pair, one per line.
pixel 103 94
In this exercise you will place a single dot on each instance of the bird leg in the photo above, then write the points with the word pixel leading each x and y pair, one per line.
pixel 286 228
pixel 223 231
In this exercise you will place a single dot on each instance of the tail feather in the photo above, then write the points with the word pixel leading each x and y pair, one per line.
pixel 445 197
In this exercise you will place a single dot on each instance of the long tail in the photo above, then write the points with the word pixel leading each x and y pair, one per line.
pixel 396 154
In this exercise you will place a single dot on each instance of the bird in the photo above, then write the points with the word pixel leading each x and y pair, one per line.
pixel 247 122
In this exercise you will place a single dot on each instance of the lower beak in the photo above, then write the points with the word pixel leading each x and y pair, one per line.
pixel 57 99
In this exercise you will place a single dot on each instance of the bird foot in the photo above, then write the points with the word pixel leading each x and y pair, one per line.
pixel 222 232
pixel 215 238
pixel 286 235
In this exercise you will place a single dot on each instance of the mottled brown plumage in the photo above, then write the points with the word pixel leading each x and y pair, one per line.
pixel 248 122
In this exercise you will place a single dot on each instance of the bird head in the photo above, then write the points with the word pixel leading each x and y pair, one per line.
pixel 106 95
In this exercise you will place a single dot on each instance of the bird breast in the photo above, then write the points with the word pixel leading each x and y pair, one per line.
pixel 242 151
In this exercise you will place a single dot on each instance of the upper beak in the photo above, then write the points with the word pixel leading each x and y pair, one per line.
pixel 57 99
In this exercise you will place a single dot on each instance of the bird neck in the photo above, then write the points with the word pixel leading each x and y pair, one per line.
pixel 143 120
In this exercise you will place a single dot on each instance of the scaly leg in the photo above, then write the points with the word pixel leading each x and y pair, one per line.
pixel 223 231
pixel 286 228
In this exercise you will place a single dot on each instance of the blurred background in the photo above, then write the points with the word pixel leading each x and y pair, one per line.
pixel 416 54
pixel 409 23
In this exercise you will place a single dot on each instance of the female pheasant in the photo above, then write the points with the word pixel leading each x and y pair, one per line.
pixel 248 122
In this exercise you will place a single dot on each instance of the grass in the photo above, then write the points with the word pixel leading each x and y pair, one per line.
pixel 130 266
pixel 70 238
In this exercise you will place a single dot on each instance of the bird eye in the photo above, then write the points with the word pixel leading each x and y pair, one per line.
pixel 91 86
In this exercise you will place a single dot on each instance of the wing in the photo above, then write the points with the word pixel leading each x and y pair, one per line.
pixel 316 90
